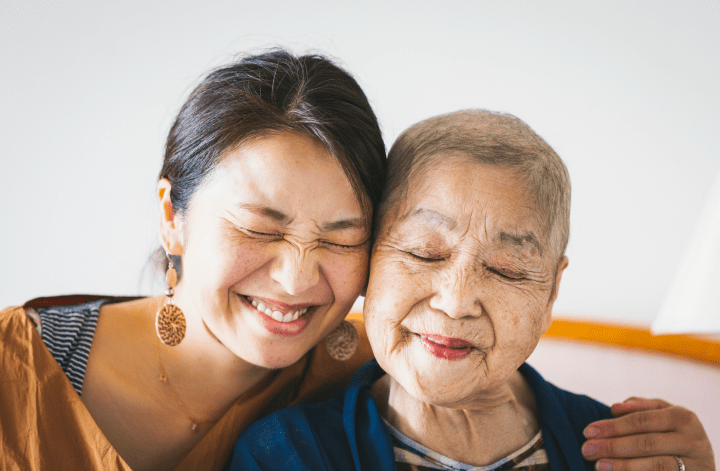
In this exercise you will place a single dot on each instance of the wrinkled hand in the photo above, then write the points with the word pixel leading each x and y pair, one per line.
pixel 644 435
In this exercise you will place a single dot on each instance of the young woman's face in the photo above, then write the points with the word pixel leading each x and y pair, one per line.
pixel 275 249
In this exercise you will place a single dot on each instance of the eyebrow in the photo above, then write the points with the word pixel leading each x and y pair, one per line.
pixel 352 223
pixel 520 240
pixel 431 217
pixel 284 219
pixel 274 214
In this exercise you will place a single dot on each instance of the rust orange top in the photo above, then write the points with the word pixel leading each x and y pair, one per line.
pixel 45 425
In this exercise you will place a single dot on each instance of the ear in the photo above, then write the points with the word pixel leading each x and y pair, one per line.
pixel 561 266
pixel 170 227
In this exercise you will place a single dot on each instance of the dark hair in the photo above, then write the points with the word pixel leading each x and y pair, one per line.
pixel 275 92
pixel 490 138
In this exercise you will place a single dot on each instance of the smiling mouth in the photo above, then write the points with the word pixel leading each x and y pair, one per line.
pixel 445 347
pixel 447 342
pixel 275 315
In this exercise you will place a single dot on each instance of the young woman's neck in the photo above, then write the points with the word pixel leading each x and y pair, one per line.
pixel 203 372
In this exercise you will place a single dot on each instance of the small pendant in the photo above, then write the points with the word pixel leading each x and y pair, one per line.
pixel 194 426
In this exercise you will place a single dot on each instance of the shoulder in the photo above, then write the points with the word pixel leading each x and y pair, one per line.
pixel 11 315
pixel 20 335
pixel 40 407
pixel 67 328
pixel 578 408
pixel 563 417
pixel 67 320
pixel 296 437
pixel 327 414
pixel 325 375
pixel 322 435
pixel 15 324
pixel 67 316
pixel 67 325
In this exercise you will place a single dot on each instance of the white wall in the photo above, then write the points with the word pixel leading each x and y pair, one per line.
pixel 626 92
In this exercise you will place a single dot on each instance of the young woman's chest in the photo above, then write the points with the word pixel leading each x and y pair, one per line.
pixel 130 404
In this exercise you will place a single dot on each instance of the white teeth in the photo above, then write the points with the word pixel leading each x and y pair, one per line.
pixel 277 315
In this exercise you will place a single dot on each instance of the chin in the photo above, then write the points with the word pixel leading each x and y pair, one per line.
pixel 432 389
pixel 446 384
pixel 436 394
pixel 274 361
pixel 263 353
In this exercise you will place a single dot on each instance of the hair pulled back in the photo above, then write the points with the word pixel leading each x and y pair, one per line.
pixel 268 93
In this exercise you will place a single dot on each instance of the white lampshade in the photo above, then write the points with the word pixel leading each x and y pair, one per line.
pixel 692 304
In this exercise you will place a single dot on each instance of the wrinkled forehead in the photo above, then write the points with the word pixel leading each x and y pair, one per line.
pixel 455 178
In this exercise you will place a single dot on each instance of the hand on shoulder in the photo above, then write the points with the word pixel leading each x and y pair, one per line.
pixel 647 434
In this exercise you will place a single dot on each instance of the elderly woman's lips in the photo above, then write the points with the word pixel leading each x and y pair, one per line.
pixel 447 341
pixel 445 347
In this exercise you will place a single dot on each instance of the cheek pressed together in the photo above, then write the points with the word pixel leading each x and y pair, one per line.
pixel 461 283
pixel 270 269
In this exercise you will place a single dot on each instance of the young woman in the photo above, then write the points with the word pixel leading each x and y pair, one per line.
pixel 271 173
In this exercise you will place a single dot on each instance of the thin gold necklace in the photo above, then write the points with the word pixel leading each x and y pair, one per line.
pixel 194 423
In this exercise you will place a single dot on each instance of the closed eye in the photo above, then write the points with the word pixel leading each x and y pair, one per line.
pixel 343 247
pixel 425 257
pixel 263 234
pixel 507 274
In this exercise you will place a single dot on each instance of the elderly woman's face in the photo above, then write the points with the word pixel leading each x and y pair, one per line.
pixel 462 282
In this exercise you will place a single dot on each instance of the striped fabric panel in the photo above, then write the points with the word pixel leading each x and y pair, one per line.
pixel 412 456
pixel 68 333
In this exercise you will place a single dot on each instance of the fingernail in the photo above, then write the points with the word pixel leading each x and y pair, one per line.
pixel 605 466
pixel 590 449
pixel 591 432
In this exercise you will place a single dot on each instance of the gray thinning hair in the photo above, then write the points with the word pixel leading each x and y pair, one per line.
pixel 490 138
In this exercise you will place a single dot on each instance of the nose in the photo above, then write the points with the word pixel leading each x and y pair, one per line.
pixel 295 269
pixel 458 293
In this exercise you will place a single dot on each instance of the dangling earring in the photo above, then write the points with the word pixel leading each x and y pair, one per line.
pixel 342 343
pixel 170 320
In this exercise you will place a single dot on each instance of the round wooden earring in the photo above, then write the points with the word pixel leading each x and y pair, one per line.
pixel 170 322
pixel 342 343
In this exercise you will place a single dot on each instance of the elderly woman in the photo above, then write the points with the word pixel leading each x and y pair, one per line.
pixel 466 265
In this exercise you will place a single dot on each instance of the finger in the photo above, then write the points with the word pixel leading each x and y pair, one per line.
pixel 635 404
pixel 657 420
pixel 636 446
pixel 655 463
